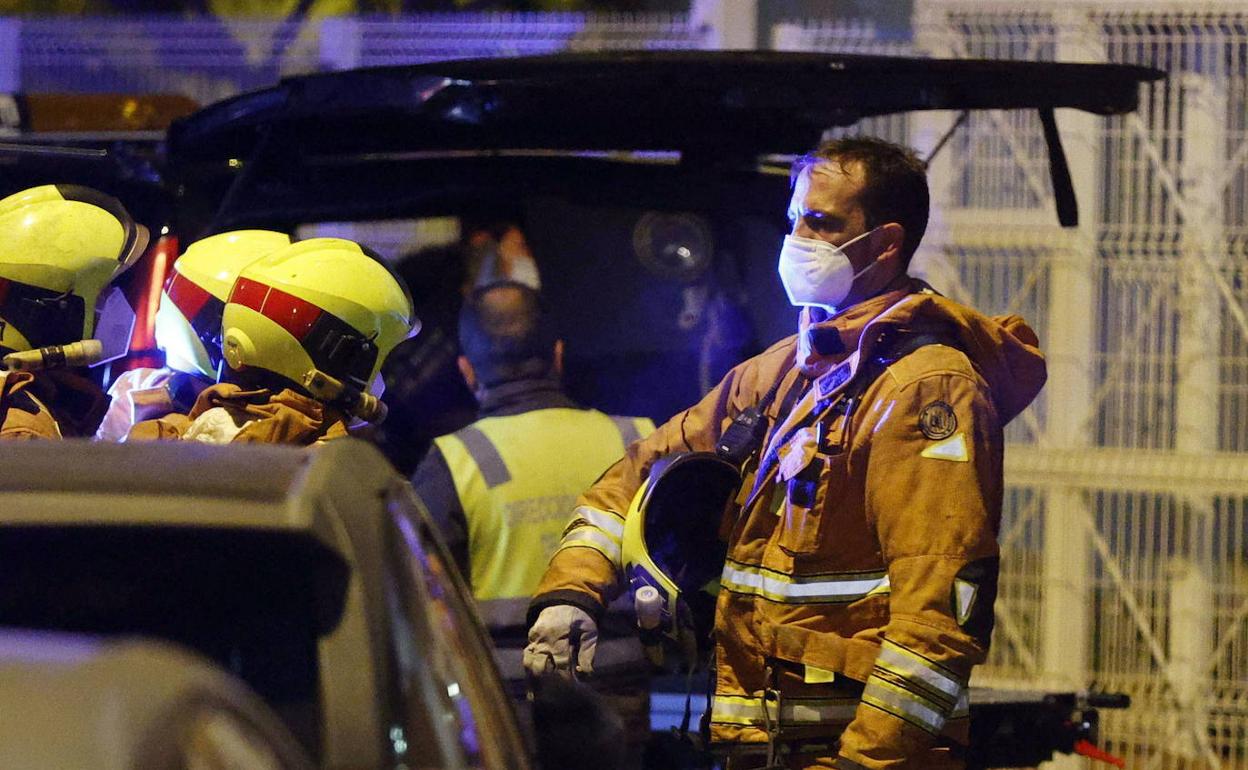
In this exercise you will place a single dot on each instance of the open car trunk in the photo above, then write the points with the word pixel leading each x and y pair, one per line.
pixel 393 140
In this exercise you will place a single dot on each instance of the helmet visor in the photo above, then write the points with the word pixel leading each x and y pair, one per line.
pixel 114 324
pixel 201 309
pixel 683 516
pixel 136 247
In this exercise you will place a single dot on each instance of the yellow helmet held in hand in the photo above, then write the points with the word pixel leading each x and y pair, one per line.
pixel 188 322
pixel 60 246
pixel 672 552
pixel 320 305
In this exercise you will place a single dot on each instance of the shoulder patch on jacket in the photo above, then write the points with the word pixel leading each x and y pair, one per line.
pixel 937 421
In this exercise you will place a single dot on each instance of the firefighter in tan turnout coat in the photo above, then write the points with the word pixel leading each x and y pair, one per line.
pixel 862 556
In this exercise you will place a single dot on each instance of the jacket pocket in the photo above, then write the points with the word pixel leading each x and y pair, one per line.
pixel 804 511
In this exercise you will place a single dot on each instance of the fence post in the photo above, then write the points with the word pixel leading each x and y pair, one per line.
pixel 933 37
pixel 1196 397
pixel 341 43
pixel 10 54
pixel 1066 639
pixel 732 25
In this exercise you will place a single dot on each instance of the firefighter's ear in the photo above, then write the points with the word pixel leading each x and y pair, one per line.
pixel 467 372
pixel 973 595
pixel 557 360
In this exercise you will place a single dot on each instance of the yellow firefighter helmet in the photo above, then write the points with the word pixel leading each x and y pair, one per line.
pixel 321 305
pixel 60 246
pixel 672 551
pixel 188 323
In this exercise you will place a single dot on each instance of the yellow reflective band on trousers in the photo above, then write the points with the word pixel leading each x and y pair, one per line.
pixel 801 589
pixel 929 680
pixel 793 711
pixel 518 477
pixel 903 704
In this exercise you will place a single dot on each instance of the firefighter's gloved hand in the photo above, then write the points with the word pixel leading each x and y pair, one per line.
pixel 561 640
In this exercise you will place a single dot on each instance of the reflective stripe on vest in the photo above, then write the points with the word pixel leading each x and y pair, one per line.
pixel 487 458
pixel 517 478
pixel 627 428
pixel 789 589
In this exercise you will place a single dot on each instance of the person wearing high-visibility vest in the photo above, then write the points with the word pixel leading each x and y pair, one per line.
pixel 502 488
pixel 861 555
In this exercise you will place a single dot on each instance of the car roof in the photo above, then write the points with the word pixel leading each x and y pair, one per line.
pixel 331 493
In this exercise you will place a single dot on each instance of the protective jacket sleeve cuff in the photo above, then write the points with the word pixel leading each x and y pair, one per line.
pixel 578 599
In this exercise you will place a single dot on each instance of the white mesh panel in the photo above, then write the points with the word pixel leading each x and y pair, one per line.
pixel 433 37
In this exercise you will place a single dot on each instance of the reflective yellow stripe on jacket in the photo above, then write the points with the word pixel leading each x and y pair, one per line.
pixel 600 530
pixel 788 589
pixel 792 711
pixel 517 478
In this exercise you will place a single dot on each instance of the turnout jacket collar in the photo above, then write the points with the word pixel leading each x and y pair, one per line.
pixel 1004 350
pixel 266 417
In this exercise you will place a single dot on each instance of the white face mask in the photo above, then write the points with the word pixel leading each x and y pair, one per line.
pixel 815 272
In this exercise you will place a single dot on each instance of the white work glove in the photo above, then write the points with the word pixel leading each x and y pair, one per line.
pixel 561 636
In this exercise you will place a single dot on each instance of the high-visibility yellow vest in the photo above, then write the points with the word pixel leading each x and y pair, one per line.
pixel 518 477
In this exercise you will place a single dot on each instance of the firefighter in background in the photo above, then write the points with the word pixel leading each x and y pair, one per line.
pixel 501 488
pixel 188 330
pixel 60 247
pixel 861 555
pixel 304 334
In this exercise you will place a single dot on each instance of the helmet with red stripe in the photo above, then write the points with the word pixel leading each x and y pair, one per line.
pixel 188 323
pixel 324 305
pixel 60 245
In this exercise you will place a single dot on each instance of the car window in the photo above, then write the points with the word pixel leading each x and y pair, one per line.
pixel 446 666
pixel 251 601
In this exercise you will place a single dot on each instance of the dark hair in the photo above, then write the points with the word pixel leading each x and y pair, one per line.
pixel 894 182
pixel 506 334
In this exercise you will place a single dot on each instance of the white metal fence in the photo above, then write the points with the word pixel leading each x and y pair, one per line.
pixel 1126 528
